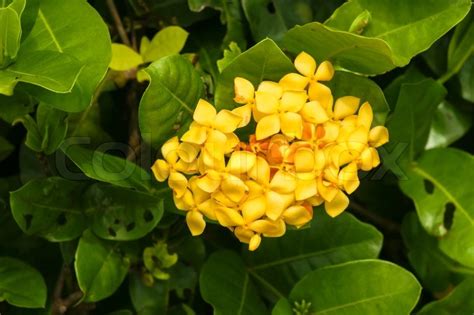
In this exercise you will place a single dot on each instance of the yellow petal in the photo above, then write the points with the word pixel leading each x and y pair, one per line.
pixel 231 142
pixel 319 160
pixel 365 115
pixel 253 209
pixel 169 150
pixel 260 171
pixel 229 217
pixel 316 201
pixel 222 199
pixel 283 182
pixel 208 207
pixel 378 136
pixel 293 82
pixel 185 202
pixel 349 178
pixel 188 152
pixel 241 162
pixel 305 64
pixel 199 195
pixel 243 234
pixel 234 188
pixel 195 222
pixel 269 228
pixel 204 113
pixel 375 157
pixel 196 134
pixel 216 142
pixel 298 215
pixel 227 121
pixel 275 205
pixel 357 141
pixel 209 159
pixel 305 188
pixel 161 170
pixel 291 125
pixel 244 90
pixel 346 106
pixel 255 189
pixel 209 182
pixel 293 101
pixel 326 190
pixel 271 88
pixel 178 182
pixel 365 159
pixel 325 71
pixel 321 93
pixel 266 103
pixel 315 113
pixel 255 242
pixel 268 126
pixel 245 113
pixel 337 205
pixel 331 131
pixel 304 160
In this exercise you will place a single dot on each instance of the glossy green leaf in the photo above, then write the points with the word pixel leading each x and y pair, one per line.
pixel 49 207
pixel 100 267
pixel 148 300
pixel 20 284
pixel 124 58
pixel 168 41
pixel 359 287
pixel 356 240
pixel 226 285
pixel 345 83
pixel 459 301
pixel 122 214
pixel 435 269
pixel 108 168
pixel 448 125
pixel 444 203
pixel 10 35
pixel 264 61
pixel 6 148
pixel 15 106
pixel 229 55
pixel 82 35
pixel 407 27
pixel 50 70
pixel 466 77
pixel 168 103
pixel 282 307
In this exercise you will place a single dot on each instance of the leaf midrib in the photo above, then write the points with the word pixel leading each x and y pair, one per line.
pixel 50 30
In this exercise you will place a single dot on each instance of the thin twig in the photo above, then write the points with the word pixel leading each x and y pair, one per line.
pixel 384 223
pixel 118 22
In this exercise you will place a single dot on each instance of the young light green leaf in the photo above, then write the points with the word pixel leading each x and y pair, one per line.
pixel 20 284
pixel 168 103
pixel 466 78
pixel 10 35
pixel 229 55
pixel 84 36
pixel 444 203
pixel 121 214
pixel 6 148
pixel 168 41
pixel 124 58
pixel 100 267
pixel 50 207
pixel 358 287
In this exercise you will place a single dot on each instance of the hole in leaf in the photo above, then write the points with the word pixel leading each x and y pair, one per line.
pixel 61 220
pixel 112 232
pixel 429 187
pixel 271 7
pixel 117 221
pixel 148 216
pixel 448 215
pixel 130 226
pixel 28 218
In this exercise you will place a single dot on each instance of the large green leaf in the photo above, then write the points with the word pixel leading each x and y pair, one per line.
pixel 459 301
pixel 168 103
pixel 15 106
pixel 345 83
pixel 122 214
pixel 437 183
pixel 352 240
pixel 20 284
pixel 108 168
pixel 226 285
pixel 83 35
pixel 6 148
pixel 10 35
pixel 264 61
pixel 49 207
pixel 168 41
pixel 466 77
pixel 50 70
pixel 100 267
pixel 435 270
pixel 148 300
pixel 408 27
pixel 359 287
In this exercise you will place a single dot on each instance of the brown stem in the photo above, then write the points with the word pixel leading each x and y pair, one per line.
pixel 118 22
pixel 134 135
pixel 386 224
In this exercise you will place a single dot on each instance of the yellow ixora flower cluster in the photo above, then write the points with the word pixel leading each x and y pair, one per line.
pixel 306 151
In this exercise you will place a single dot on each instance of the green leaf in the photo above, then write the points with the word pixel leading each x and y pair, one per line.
pixel 20 284
pixel 83 35
pixel 124 58
pixel 108 168
pixel 168 103
pixel 444 203
pixel 226 285
pixel 50 70
pixel 10 35
pixel 345 83
pixel 466 77
pixel 355 240
pixel 100 267
pixel 435 269
pixel 345 50
pixel 282 307
pixel 264 61
pixel 407 27
pixel 459 301
pixel 448 125
pixel 6 148
pixel 229 55
pixel 15 106
pixel 122 214
pixel 148 300
pixel 49 207
pixel 359 287
pixel 168 41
